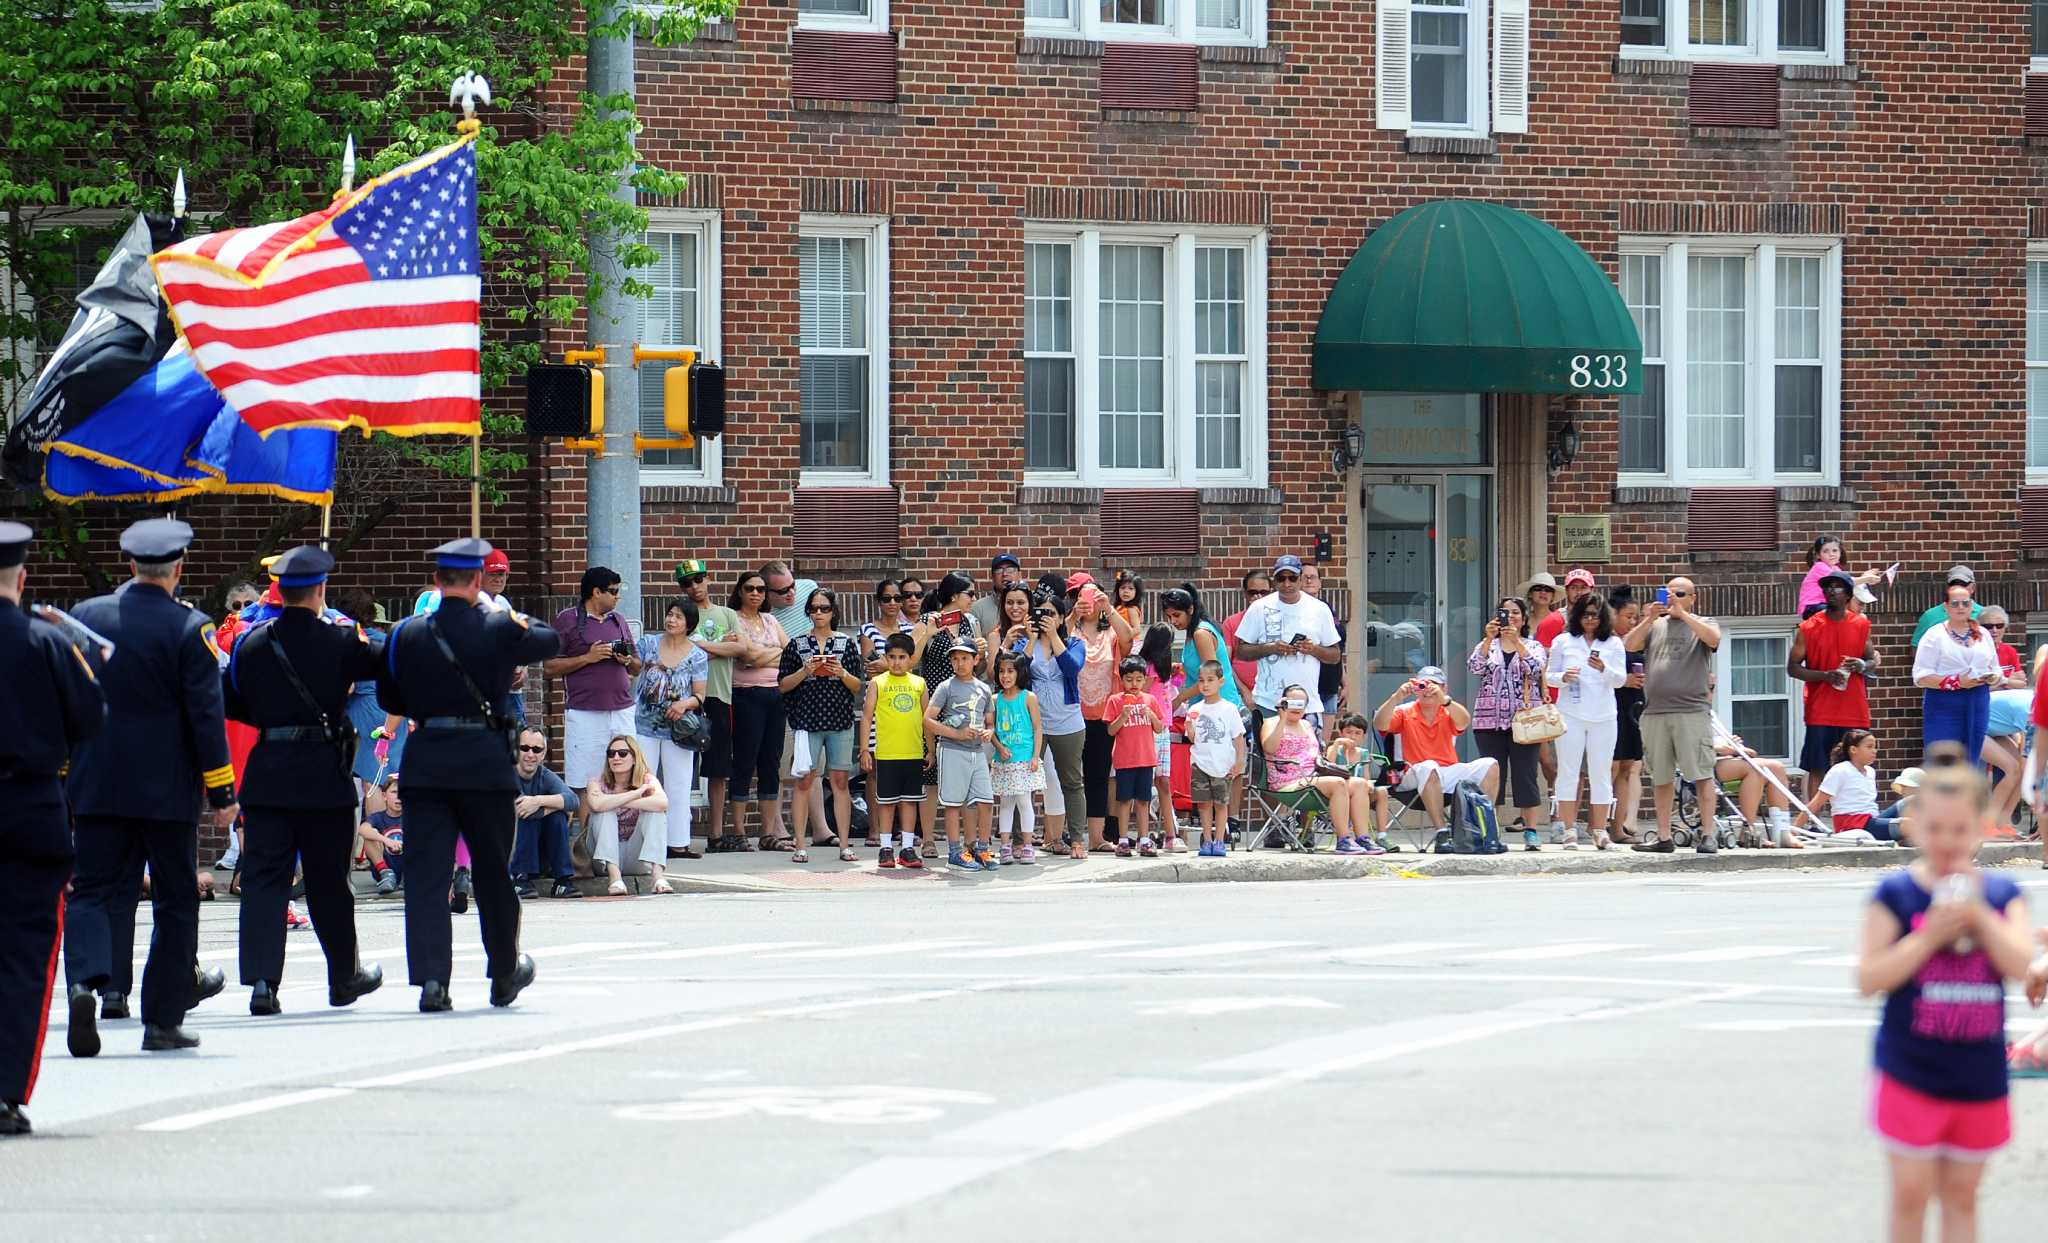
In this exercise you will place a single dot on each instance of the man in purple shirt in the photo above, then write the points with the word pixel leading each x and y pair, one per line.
pixel 597 667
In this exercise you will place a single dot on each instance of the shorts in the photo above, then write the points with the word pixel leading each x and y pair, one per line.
pixel 1133 785
pixel 1162 753
pixel 1205 789
pixel 714 762
pixel 1330 702
pixel 1817 752
pixel 1628 731
pixel 1680 743
pixel 964 778
pixel 897 781
pixel 1851 823
pixel 1915 1124
pixel 585 731
pixel 833 751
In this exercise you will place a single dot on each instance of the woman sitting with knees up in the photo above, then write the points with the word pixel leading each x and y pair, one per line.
pixel 628 817
pixel 1291 778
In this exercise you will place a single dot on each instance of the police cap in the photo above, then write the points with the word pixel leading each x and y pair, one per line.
pixel 462 554
pixel 304 566
pixel 14 541
pixel 154 541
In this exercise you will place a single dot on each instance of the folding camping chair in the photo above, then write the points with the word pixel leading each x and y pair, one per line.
pixel 1292 814
pixel 1403 805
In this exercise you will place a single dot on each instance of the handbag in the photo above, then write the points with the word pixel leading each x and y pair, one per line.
pixel 1539 721
pixel 690 730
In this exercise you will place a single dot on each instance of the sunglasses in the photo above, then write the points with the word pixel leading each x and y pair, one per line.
pixel 1995 625
pixel 782 591
pixel 526 750
pixel 617 755
pixel 1681 595
pixel 1959 604
pixel 820 608
pixel 753 587
pixel 694 579
pixel 1288 577
pixel 1254 593
pixel 890 599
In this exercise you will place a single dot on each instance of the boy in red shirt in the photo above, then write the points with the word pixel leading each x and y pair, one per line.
pixel 1133 719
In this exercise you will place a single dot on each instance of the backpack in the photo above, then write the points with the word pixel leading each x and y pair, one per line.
pixel 1475 828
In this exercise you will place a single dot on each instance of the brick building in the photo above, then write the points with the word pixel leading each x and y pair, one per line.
pixel 1067 279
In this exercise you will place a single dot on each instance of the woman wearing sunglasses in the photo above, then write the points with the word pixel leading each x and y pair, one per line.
pixel 628 817
pixel 1955 665
pixel 820 687
pixel 757 715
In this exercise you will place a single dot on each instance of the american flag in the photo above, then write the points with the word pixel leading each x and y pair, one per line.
pixel 361 315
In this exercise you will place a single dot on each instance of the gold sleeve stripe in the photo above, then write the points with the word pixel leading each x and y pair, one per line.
pixel 217 777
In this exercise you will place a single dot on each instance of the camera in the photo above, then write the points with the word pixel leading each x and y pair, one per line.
pixel 1045 611
pixel 621 647
pixel 1501 618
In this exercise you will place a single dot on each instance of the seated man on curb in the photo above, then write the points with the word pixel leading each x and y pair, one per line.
pixel 543 807
pixel 1428 726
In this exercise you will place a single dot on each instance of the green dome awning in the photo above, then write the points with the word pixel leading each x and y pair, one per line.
pixel 1458 296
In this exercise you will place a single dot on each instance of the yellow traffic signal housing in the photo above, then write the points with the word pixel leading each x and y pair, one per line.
pixel 675 398
pixel 596 441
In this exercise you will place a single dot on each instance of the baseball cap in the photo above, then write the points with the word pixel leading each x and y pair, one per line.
pixel 1544 579
pixel 1836 576
pixel 1288 562
pixel 496 562
pixel 1962 574
pixel 1079 579
pixel 1909 780
pixel 1579 575
pixel 1002 559
pixel 693 568
pixel 1432 673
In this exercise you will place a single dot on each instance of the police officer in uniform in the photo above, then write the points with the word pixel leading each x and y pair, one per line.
pixel 51 704
pixel 290 678
pixel 135 788
pixel 449 671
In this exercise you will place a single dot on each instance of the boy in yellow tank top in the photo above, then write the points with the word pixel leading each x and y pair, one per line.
pixel 892 723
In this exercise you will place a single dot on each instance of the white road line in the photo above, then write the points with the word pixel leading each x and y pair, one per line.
pixel 1396 949
pixel 869 951
pixel 1212 949
pixel 261 1105
pixel 1034 951
pixel 711 951
pixel 1537 953
pixel 1833 961
pixel 565 951
pixel 1731 953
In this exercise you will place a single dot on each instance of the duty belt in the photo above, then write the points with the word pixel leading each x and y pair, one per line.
pixel 294 733
pixel 469 724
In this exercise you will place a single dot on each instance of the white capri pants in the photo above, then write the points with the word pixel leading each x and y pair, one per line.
pixel 644 849
pixel 1590 743
pixel 1055 798
pixel 1448 775
pixel 676 769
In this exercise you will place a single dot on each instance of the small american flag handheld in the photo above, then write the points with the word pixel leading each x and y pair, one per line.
pixel 361 315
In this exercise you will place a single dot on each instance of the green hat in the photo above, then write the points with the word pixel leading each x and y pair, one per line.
pixel 693 568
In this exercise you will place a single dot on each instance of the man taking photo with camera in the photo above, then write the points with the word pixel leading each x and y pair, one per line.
pixel 597 667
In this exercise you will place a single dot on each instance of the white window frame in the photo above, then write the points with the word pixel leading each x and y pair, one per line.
pixel 1760 389
pixel 2037 252
pixel 1181 243
pixel 875 231
pixel 2038 64
pixel 874 21
pixel 1478 73
pixel 705 226
pixel 1762 47
pixel 1084 20
pixel 1724 664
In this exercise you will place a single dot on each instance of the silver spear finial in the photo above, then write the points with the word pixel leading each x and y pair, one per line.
pixel 348 165
pixel 178 197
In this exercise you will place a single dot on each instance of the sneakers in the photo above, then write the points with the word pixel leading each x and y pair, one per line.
pixel 908 859
pixel 1009 853
pixel 1560 832
pixel 962 860
pixel 293 921
pixel 1709 840
pixel 525 889
pixel 1146 848
pixel 387 884
pixel 1655 846
pixel 1348 845
pixel 1532 840
pixel 458 893
pixel 1177 845
pixel 565 889
pixel 1568 837
pixel 1025 854
pixel 887 859
pixel 1367 846
pixel 1123 848
pixel 985 855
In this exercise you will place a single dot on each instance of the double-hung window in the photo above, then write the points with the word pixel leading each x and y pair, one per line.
pixel 1741 361
pixel 1790 31
pixel 1235 22
pixel 872 15
pixel 1753 695
pixel 682 313
pixel 2037 366
pixel 2038 13
pixel 1453 67
pixel 1145 357
pixel 843 341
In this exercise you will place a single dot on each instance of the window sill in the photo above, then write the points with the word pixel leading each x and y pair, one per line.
pixel 652 493
pixel 1451 144
pixel 1151 116
pixel 1091 494
pixel 858 107
pixel 1073 47
pixel 1761 557
pixel 863 26
pixel 848 565
pixel 1639 63
pixel 1680 494
pixel 1738 133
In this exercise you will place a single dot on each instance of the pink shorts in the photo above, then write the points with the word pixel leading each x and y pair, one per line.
pixel 1915 1124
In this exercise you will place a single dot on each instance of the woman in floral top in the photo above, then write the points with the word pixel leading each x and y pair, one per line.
pixel 1509 667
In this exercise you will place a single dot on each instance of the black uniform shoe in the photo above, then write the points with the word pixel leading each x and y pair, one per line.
pixel 166 1039
pixel 82 1037
pixel 434 998
pixel 263 999
pixel 506 991
pixel 114 1006
pixel 565 889
pixel 206 984
pixel 458 896
pixel 12 1120
pixel 524 890
pixel 1655 846
pixel 361 984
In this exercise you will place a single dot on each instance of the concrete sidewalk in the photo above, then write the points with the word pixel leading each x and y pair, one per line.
pixel 772 872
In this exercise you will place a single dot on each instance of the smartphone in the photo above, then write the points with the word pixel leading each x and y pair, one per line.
pixel 1501 619
pixel 951 618
pixel 1664 595
pixel 1298 638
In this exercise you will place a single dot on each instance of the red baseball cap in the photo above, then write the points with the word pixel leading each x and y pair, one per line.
pixel 1579 575
pixel 496 562
pixel 1079 579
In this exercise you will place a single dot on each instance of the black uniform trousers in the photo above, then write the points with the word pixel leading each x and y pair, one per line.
pixel 433 819
pixel 34 864
pixel 319 839
pixel 109 881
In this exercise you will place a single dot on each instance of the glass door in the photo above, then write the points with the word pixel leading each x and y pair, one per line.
pixel 1429 548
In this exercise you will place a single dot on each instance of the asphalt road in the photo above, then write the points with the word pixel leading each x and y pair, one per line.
pixel 1489 1059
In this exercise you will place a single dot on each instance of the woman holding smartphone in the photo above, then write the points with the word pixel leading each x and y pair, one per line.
pixel 1508 664
pixel 821 692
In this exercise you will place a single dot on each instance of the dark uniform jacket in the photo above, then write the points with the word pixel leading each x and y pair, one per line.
pixel 49 703
pixel 417 681
pixel 329 657
pixel 165 741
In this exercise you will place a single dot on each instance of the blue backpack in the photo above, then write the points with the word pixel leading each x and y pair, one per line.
pixel 1475 828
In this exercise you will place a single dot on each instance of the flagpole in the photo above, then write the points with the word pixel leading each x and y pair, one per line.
pixel 348 183
pixel 476 473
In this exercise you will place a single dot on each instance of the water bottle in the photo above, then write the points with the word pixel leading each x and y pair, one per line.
pixel 1957 888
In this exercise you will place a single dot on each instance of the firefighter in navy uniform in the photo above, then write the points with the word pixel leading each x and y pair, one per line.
pixel 135 789
pixel 449 671
pixel 290 679
pixel 52 704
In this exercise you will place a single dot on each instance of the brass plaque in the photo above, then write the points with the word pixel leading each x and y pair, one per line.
pixel 1583 537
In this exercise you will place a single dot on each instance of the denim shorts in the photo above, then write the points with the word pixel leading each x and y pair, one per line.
pixel 832 750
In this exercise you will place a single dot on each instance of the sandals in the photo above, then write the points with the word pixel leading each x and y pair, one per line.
pixel 662 886
pixel 1103 848
pixel 847 855
pixel 616 889
pixel 782 844
pixel 801 856
pixel 2025 1062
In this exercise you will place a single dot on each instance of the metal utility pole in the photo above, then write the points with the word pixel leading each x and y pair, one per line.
pixel 613 505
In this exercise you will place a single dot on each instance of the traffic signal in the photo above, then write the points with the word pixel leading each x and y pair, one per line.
pixel 706 415
pixel 562 399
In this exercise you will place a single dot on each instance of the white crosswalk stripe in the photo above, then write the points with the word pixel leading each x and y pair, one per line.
pixel 1213 949
pixel 1538 953
pixel 1833 961
pixel 1731 953
pixel 870 951
pixel 1396 949
pixel 1034 951
pixel 711 951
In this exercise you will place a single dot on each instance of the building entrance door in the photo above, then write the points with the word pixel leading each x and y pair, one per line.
pixel 1429 553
